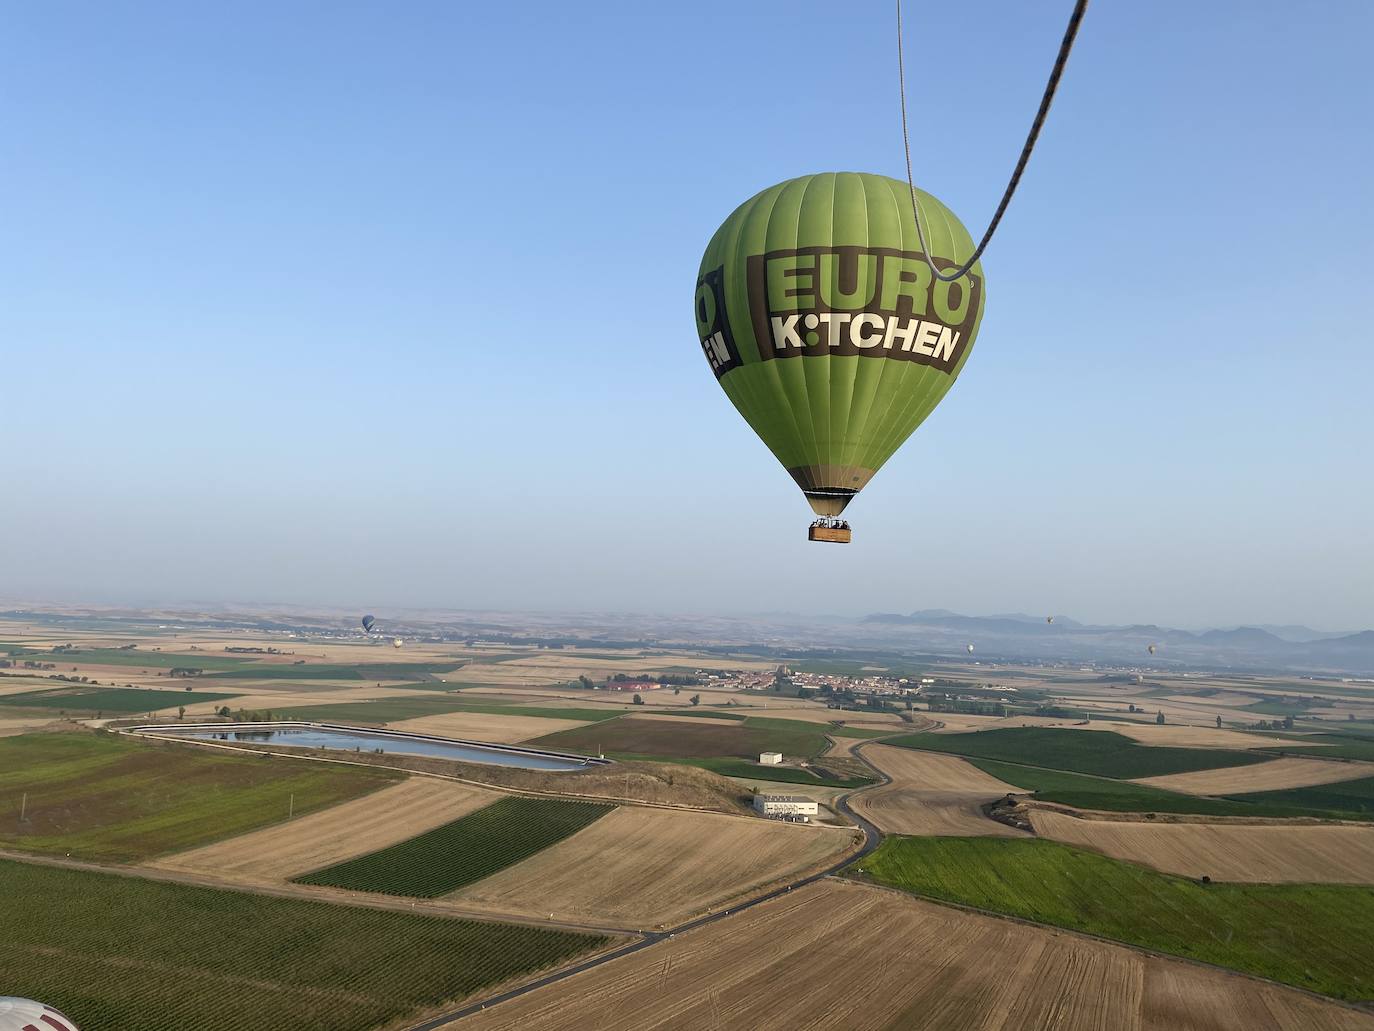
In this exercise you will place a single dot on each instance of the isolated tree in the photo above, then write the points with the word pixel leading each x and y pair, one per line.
pixel 1218 723
pixel 638 700
pixel 181 712
pixel 1160 717
pixel 1288 723
pixel 695 699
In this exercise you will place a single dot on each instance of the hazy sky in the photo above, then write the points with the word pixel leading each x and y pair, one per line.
pixel 389 304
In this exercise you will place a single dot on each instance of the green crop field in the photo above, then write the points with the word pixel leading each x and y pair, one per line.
pixel 79 699
pixel 1333 746
pixel 697 711
pixel 860 732
pixel 1096 753
pixel 741 768
pixel 393 709
pixel 1348 798
pixel 373 671
pixel 104 796
pixel 116 953
pixel 1123 796
pixel 660 739
pixel 466 850
pixel 138 659
pixel 1313 936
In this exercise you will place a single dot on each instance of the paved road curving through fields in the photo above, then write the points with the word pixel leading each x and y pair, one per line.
pixel 872 838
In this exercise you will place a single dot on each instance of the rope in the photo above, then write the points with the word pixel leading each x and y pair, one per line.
pixel 1075 19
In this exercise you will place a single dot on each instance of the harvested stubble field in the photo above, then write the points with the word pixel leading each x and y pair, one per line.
pixel 931 794
pixel 459 853
pixel 1104 754
pixel 1312 936
pixel 116 953
pixel 642 867
pixel 358 827
pixel 1274 775
pixel 894 962
pixel 1174 735
pixel 102 796
pixel 1298 854
pixel 1128 796
pixel 486 726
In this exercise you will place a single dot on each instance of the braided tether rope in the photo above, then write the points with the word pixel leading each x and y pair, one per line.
pixel 1080 8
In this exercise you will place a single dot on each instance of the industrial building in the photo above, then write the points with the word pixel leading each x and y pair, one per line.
pixel 794 807
pixel 770 758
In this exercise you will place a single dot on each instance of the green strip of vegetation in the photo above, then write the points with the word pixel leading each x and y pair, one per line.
pixel 860 732
pixel 81 700
pixel 412 707
pixel 1096 753
pixel 696 711
pixel 1347 798
pixel 744 769
pixel 1122 796
pixel 374 671
pixel 104 796
pixel 1313 936
pixel 1332 746
pixel 134 953
pixel 138 658
pixel 464 851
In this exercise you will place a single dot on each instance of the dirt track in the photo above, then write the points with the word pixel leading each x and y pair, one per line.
pixel 1269 776
pixel 1225 852
pixel 366 824
pixel 858 958
pixel 930 793
pixel 642 867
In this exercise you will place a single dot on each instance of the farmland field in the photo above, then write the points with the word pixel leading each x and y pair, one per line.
pixel 1100 754
pixel 1331 746
pixel 684 740
pixel 138 659
pixel 76 699
pixel 639 867
pixel 363 825
pixel 894 963
pixel 101 796
pixel 1352 798
pixel 930 793
pixel 1312 936
pixel 1124 796
pixel 375 671
pixel 458 853
pixel 116 953
pixel 1322 854
pixel 1273 775
pixel 416 706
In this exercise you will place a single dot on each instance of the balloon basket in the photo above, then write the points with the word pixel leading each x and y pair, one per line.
pixel 830 534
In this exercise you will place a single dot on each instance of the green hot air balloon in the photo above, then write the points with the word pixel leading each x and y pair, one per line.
pixel 824 326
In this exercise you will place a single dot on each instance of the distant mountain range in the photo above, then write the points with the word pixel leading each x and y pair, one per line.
pixel 1256 648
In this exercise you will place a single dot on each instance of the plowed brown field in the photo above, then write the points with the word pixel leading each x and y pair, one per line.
pixel 383 818
pixel 1270 776
pixel 930 793
pixel 848 956
pixel 640 867
pixel 1225 852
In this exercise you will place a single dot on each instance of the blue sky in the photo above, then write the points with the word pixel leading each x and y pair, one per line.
pixel 389 305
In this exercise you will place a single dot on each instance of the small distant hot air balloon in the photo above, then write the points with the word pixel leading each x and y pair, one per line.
pixel 397 643
pixel 368 622
pixel 1049 619
pixel 970 649
pixel 819 315
pixel 23 1014
pixel 1152 649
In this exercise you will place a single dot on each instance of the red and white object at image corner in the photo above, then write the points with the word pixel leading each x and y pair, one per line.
pixel 27 1015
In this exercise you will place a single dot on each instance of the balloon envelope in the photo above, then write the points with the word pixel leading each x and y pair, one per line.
pixel 824 326
pixel 19 1014
pixel 397 643
pixel 367 624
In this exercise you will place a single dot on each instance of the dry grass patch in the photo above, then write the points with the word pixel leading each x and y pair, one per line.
pixel 1276 775
pixel 896 962
pixel 642 867
pixel 321 839
pixel 1175 735
pixel 931 793
pixel 1302 854
pixel 486 726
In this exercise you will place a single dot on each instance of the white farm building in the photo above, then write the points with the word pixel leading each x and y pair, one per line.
pixel 770 758
pixel 787 806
